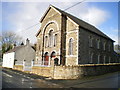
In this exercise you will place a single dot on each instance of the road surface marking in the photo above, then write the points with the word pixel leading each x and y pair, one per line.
pixel 7 74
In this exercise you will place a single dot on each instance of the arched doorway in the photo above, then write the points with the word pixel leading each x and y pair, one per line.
pixel 53 57
pixel 53 54
pixel 46 58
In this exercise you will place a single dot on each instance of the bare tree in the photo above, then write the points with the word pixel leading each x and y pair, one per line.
pixel 8 39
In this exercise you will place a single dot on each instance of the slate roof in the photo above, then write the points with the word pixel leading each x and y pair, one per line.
pixel 83 24
pixel 80 22
pixel 17 48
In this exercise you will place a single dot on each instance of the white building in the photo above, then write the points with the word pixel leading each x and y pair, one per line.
pixel 22 55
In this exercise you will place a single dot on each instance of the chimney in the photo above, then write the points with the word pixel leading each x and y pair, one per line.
pixel 22 44
pixel 27 41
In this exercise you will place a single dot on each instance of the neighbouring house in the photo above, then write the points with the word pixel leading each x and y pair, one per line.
pixel 20 57
pixel 65 40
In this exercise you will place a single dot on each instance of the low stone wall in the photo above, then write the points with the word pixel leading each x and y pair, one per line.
pixel 18 67
pixel 43 71
pixel 72 72
pixel 75 72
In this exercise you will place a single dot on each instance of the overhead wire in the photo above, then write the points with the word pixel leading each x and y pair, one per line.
pixel 54 15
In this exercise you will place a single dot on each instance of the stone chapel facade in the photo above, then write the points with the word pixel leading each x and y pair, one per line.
pixel 67 40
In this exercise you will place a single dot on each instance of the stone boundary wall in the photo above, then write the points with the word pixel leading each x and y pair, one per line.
pixel 75 72
pixel 72 72
pixel 18 67
pixel 43 71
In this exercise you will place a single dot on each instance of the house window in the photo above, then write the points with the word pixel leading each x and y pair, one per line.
pixel 51 38
pixel 98 43
pixel 91 58
pixel 104 45
pixel 98 58
pixel 46 41
pixel 91 41
pixel 71 46
pixel 55 39
pixel 104 59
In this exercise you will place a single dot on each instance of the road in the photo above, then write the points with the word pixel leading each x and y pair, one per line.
pixel 11 79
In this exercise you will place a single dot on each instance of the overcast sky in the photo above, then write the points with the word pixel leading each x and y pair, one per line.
pixel 17 16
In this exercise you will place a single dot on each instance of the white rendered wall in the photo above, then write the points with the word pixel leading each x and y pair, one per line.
pixel 8 60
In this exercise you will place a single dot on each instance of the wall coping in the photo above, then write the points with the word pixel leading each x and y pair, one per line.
pixel 82 65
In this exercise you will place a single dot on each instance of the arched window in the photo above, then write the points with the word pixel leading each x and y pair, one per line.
pixel 98 43
pixel 91 58
pixel 46 41
pixel 90 41
pixel 71 46
pixel 98 58
pixel 104 45
pixel 51 38
pixel 55 40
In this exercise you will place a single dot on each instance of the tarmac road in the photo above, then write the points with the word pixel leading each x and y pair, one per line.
pixel 12 79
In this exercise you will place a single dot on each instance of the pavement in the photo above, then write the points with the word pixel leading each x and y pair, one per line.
pixel 17 79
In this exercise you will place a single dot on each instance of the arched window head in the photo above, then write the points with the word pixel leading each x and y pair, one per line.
pixel 51 38
pixel 71 46
pixel 53 54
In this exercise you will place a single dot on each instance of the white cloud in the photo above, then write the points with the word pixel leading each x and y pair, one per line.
pixel 95 16
pixel 29 14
